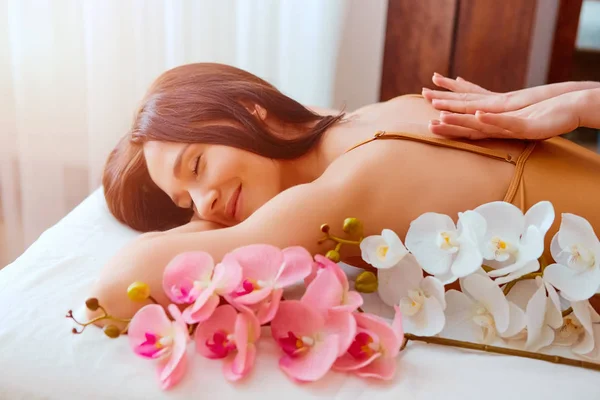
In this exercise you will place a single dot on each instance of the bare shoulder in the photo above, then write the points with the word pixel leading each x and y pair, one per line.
pixel 294 216
pixel 359 184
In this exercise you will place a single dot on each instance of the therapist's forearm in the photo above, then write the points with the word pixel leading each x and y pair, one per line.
pixel 540 93
pixel 589 109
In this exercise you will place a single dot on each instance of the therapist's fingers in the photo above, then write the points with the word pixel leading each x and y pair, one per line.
pixel 445 95
pixel 454 131
pixel 466 103
pixel 457 85
pixel 516 125
pixel 472 87
pixel 471 122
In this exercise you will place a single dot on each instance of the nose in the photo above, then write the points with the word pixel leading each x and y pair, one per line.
pixel 205 203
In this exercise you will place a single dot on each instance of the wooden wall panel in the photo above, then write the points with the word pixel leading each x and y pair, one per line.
pixel 418 43
pixel 565 35
pixel 493 39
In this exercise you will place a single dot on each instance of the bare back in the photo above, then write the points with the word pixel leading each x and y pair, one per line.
pixel 415 177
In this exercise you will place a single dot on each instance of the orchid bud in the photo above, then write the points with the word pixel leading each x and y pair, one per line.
pixel 112 331
pixel 353 226
pixel 92 304
pixel 333 256
pixel 138 291
pixel 366 282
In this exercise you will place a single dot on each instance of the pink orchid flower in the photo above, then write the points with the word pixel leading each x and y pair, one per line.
pixel 266 271
pixel 192 278
pixel 330 290
pixel 153 335
pixel 311 342
pixel 226 332
pixel 374 348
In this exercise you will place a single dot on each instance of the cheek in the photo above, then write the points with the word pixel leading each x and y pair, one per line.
pixel 262 179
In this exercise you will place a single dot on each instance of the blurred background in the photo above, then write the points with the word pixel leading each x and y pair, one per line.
pixel 73 71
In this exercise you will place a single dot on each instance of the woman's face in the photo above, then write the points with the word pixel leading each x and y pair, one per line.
pixel 223 184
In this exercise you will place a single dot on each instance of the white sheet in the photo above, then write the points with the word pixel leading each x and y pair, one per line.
pixel 41 359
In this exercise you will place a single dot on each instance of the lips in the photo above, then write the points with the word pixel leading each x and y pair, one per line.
pixel 232 205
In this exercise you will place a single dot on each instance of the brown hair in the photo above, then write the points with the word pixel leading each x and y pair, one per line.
pixel 201 103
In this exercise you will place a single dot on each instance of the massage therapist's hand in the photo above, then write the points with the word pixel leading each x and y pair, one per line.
pixel 467 98
pixel 539 121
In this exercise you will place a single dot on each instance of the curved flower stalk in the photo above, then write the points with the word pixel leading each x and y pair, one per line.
pixel 192 278
pixel 481 313
pixel 421 300
pixel 576 250
pixel 152 335
pixel 513 242
pixel 383 251
pixel 444 250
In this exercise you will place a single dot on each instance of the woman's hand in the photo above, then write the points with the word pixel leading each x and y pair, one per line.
pixel 539 121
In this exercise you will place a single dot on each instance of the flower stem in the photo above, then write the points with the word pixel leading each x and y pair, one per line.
pixel 510 284
pixel 339 240
pixel 502 350
pixel 104 315
pixel 108 316
pixel 567 312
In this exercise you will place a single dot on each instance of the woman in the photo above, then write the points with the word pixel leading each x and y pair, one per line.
pixel 221 147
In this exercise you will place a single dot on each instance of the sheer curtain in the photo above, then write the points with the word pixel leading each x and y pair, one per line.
pixel 74 70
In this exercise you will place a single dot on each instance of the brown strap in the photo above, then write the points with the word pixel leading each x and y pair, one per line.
pixel 517 180
pixel 442 143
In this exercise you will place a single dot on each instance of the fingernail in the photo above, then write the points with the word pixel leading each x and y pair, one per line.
pixel 444 113
pixel 426 90
pixel 435 102
pixel 479 112
pixel 434 122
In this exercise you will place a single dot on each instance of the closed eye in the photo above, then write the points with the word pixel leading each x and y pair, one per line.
pixel 196 164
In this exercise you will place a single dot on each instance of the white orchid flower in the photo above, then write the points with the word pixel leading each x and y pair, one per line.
pixel 581 329
pixel 442 249
pixel 513 241
pixel 576 250
pixel 482 313
pixel 421 300
pixel 383 251
pixel 542 311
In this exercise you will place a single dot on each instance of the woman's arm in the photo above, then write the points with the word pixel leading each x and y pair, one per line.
pixel 292 218
pixel 195 225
